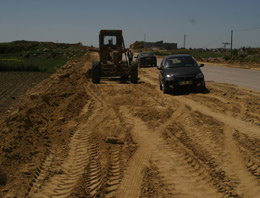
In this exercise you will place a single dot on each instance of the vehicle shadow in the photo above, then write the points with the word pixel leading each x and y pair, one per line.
pixel 187 92
pixel 118 81
pixel 148 66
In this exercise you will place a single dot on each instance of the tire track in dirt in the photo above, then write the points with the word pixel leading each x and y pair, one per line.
pixel 193 147
pixel 113 171
pixel 39 175
pixel 244 187
pixel 241 103
pixel 175 172
pixel 183 175
pixel 60 181
pixel 202 164
pixel 130 186
pixel 228 120
pixel 131 183
pixel 133 186
pixel 248 185
pixel 249 149
pixel 94 177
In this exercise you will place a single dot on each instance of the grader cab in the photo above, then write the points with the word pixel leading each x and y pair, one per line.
pixel 113 59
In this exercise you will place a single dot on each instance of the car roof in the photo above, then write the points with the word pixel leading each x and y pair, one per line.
pixel 178 55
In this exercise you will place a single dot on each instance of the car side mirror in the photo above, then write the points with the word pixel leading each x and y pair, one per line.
pixel 201 65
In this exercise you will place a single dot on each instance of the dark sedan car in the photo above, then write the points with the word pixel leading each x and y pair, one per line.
pixel 146 59
pixel 180 71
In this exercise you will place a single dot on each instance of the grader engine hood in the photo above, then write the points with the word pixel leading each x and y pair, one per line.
pixel 116 56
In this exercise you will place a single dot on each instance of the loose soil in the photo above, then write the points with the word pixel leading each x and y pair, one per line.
pixel 14 85
pixel 72 138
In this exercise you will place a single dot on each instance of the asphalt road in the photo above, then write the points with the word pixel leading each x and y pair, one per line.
pixel 242 77
pixel 249 79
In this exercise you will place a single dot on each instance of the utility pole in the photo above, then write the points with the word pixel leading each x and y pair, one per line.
pixel 144 39
pixel 184 41
pixel 231 43
pixel 225 44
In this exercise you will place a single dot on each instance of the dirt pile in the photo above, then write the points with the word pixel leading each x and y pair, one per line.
pixel 40 122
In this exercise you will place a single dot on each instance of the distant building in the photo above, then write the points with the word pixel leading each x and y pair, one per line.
pixel 161 44
pixel 158 45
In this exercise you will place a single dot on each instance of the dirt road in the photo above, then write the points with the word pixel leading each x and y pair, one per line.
pixel 116 139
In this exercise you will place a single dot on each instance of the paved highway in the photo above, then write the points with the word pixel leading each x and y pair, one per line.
pixel 249 79
pixel 242 77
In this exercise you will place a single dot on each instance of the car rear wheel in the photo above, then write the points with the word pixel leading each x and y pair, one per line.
pixel 164 89
pixel 134 73
pixel 160 85
pixel 95 72
pixel 125 77
pixel 203 87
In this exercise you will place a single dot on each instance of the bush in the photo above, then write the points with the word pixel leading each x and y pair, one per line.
pixel 227 57
pixel 37 56
pixel 243 55
pixel 235 52
pixel 252 51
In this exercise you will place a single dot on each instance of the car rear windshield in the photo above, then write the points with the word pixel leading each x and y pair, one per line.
pixel 181 61
pixel 147 54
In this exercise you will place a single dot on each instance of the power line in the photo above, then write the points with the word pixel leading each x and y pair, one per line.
pixel 218 39
pixel 184 41
pixel 255 28
pixel 238 30
pixel 225 44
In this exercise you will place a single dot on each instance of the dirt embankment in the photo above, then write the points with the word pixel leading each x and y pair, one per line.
pixel 73 138
pixel 41 124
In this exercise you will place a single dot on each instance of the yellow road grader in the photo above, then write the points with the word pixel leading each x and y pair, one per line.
pixel 113 58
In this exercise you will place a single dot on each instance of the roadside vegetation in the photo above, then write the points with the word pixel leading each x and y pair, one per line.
pixel 239 56
pixel 37 56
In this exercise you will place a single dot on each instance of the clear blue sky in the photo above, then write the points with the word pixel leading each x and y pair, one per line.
pixel 206 23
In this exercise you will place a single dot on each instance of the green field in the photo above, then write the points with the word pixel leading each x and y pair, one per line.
pixel 37 56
